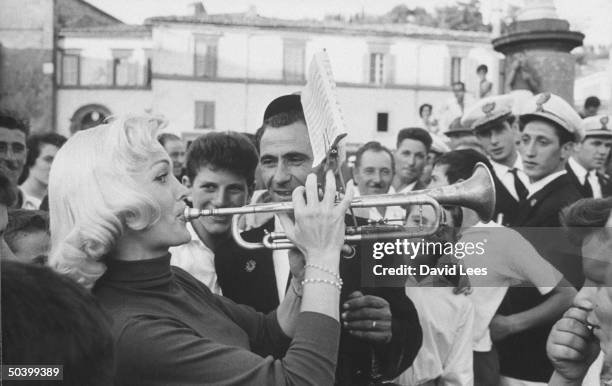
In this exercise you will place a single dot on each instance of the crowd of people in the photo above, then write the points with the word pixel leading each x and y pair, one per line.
pixel 103 272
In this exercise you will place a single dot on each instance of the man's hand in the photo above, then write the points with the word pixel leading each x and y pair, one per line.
pixel 367 317
pixel 571 347
pixel 501 327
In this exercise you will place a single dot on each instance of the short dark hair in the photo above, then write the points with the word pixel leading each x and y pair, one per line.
pixel 282 111
pixel 415 133
pixel 25 221
pixel 584 216
pixel 35 142
pixel 459 84
pixel 50 319
pixel 280 119
pixel 461 163
pixel 229 151
pixel 165 137
pixel 12 121
pixel 7 194
pixel 482 67
pixel 563 135
pixel 423 106
pixel 375 147
pixel 592 101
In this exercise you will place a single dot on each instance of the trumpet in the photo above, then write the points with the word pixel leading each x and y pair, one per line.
pixel 476 193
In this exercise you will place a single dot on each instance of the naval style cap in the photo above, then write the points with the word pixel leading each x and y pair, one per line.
pixel 597 126
pixel 553 108
pixel 488 112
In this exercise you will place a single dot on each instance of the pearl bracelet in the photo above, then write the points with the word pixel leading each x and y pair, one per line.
pixel 325 269
pixel 324 281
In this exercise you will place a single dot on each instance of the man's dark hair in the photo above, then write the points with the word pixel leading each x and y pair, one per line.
pixel 230 151
pixel 282 111
pixel 459 84
pixel 34 144
pixel 375 147
pixel 414 133
pixel 585 216
pixel 281 119
pixel 563 135
pixel 592 101
pixel 7 194
pixel 482 67
pixel 50 319
pixel 423 106
pixel 25 221
pixel 460 163
pixel 12 121
pixel 165 137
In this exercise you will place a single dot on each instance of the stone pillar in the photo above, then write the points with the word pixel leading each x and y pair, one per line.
pixel 537 49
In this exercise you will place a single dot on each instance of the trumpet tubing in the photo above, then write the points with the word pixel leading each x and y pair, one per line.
pixel 476 193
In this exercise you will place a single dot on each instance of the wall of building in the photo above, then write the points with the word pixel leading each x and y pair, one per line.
pixel 240 107
pixel 119 102
pixel 26 60
pixel 258 54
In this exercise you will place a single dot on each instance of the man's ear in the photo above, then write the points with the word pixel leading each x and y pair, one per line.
pixel 567 149
pixel 186 181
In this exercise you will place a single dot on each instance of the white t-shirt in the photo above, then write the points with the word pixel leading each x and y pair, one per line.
pixel 510 261
pixel 197 259
pixel 447 322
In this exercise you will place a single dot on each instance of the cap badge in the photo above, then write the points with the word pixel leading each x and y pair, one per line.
pixel 488 108
pixel 543 98
pixel 604 122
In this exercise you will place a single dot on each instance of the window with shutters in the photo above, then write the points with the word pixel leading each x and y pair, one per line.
pixel 204 115
pixel 205 56
pixel 455 75
pixel 293 60
pixel 71 66
pixel 377 68
pixel 125 71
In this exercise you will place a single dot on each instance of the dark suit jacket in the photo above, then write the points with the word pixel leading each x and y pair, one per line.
pixel 604 182
pixel 247 277
pixel 523 355
pixel 505 203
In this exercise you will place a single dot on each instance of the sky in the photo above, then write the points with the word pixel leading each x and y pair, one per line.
pixel 588 16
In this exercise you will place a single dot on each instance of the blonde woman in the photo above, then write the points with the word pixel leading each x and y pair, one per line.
pixel 116 208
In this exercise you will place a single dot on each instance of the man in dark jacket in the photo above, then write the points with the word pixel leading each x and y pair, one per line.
pixel 381 333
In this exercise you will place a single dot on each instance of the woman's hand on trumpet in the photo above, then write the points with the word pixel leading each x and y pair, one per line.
pixel 318 231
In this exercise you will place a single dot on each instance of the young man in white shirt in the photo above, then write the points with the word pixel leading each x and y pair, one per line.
pixel 590 156
pixel 220 172
pixel 510 260
pixel 447 319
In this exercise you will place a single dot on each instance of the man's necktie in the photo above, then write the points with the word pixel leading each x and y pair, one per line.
pixel 520 188
pixel 588 189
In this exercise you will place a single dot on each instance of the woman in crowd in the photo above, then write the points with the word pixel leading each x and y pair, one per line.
pixel 429 122
pixel 586 328
pixel 115 209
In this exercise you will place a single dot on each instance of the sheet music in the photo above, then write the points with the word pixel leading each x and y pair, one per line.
pixel 321 108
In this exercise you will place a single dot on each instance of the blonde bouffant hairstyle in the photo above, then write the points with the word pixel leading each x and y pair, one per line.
pixel 93 196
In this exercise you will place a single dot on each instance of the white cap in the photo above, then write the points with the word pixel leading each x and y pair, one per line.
pixel 597 126
pixel 555 109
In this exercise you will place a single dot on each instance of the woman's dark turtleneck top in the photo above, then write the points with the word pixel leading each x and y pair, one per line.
pixel 169 329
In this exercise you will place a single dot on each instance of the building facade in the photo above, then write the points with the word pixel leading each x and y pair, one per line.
pixel 28 51
pixel 218 72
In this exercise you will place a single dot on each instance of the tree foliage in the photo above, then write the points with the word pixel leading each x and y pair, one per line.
pixel 463 16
